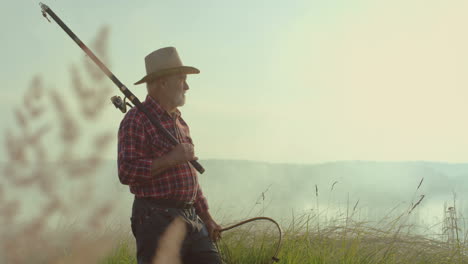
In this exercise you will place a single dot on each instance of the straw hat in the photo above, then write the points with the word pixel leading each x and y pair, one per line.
pixel 162 62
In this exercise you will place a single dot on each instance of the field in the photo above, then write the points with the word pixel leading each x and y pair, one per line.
pixel 305 242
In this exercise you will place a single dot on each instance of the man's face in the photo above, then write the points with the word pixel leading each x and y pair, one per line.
pixel 174 89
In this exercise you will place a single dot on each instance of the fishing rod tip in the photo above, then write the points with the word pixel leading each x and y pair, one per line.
pixel 43 6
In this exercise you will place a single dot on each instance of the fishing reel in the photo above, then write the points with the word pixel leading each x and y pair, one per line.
pixel 120 104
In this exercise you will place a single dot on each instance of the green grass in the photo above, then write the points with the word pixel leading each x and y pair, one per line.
pixel 123 253
pixel 308 239
pixel 304 242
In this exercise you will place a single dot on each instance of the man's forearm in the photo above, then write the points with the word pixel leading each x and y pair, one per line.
pixel 162 163
pixel 205 216
pixel 183 152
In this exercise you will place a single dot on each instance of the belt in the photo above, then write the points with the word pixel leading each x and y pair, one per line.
pixel 166 202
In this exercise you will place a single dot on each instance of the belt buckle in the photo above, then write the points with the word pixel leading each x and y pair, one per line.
pixel 187 205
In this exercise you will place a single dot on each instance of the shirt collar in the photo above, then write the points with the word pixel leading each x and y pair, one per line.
pixel 155 107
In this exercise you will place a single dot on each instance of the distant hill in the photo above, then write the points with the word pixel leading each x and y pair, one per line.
pixel 234 188
pixel 377 185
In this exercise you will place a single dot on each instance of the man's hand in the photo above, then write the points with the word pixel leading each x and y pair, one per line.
pixel 213 230
pixel 182 152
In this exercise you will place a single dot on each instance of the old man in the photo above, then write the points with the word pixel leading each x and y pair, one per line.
pixel 158 173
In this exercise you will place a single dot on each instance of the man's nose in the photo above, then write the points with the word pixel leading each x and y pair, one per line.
pixel 186 87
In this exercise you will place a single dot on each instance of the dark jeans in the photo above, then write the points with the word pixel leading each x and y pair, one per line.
pixel 149 222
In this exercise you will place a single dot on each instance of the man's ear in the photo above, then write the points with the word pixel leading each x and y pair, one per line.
pixel 162 82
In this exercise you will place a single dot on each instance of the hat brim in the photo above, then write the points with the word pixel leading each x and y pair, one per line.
pixel 170 71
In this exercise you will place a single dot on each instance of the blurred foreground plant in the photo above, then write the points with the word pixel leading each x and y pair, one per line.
pixel 48 170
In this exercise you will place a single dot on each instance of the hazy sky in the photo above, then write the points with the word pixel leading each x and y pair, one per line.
pixel 281 81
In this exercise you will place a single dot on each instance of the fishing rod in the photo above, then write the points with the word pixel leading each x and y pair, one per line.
pixel 117 101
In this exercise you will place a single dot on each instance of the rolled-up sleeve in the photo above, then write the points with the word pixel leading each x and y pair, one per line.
pixel 134 164
pixel 201 204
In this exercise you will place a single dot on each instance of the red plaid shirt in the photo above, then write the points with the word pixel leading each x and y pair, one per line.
pixel 140 143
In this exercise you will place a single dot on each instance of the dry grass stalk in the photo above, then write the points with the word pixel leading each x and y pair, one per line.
pixel 170 243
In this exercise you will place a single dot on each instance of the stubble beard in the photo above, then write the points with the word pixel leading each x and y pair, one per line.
pixel 180 101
